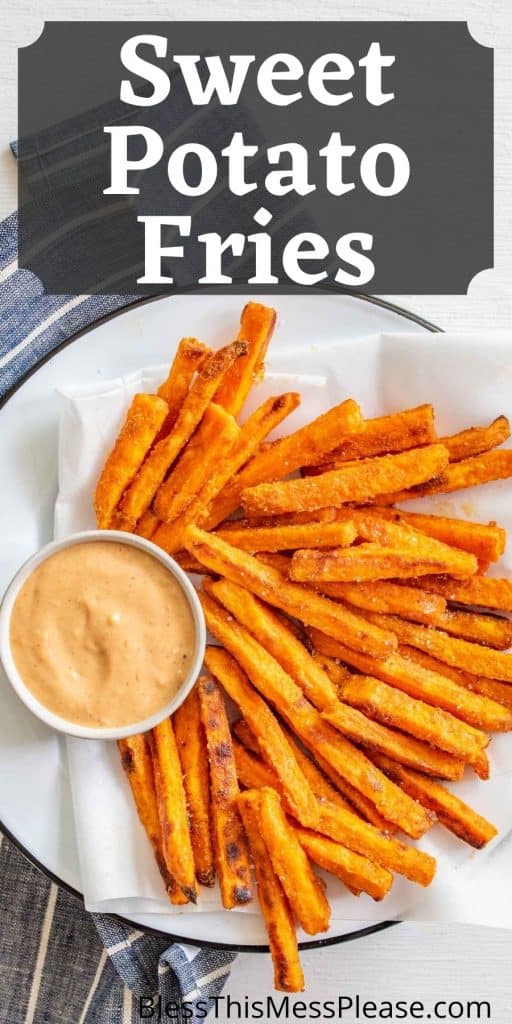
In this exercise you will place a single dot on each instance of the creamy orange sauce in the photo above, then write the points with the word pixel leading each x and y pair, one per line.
pixel 102 634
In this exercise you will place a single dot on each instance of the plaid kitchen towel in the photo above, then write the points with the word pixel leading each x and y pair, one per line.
pixel 58 963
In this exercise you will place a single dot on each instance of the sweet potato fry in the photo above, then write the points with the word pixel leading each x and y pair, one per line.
pixel 359 803
pixel 449 809
pixel 245 735
pixel 483 661
pixel 262 421
pixel 476 440
pixel 385 435
pixel 480 469
pixel 190 564
pixel 147 525
pixel 488 630
pixel 288 976
pixel 138 766
pixel 277 686
pixel 406 750
pixel 172 808
pixel 356 481
pixel 274 746
pixel 493 688
pixel 190 355
pixel 143 421
pixel 139 495
pixel 478 591
pixel 304 447
pixel 481 766
pixel 191 742
pixel 324 790
pixel 231 852
pixel 357 872
pixel 287 538
pixel 256 328
pixel 361 563
pixel 276 637
pixel 215 434
pixel 344 826
pixel 271 586
pixel 421 683
pixel 485 540
pixel 388 598
pixel 396 708
pixel 404 537
pixel 303 889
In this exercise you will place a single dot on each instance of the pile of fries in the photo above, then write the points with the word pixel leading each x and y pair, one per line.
pixel 347 636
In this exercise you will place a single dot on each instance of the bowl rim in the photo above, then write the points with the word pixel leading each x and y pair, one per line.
pixel 34 705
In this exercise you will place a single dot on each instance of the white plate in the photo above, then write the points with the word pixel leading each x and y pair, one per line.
pixel 35 799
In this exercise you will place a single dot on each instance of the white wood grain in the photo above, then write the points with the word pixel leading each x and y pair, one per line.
pixel 425 962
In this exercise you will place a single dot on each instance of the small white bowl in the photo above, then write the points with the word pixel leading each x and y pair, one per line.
pixel 39 709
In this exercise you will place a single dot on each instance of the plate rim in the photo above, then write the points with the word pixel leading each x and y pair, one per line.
pixel 359 933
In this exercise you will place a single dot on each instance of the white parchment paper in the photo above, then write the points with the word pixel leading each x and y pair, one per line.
pixel 469 380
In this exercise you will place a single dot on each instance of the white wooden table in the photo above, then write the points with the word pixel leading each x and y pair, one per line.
pixel 424 962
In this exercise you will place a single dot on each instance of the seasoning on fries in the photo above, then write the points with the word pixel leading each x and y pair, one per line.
pixel 364 647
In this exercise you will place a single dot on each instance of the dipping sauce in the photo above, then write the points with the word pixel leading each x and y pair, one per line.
pixel 102 634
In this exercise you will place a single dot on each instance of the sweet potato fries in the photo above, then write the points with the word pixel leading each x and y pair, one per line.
pixel 364 647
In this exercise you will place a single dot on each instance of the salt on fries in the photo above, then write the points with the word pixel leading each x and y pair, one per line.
pixel 363 646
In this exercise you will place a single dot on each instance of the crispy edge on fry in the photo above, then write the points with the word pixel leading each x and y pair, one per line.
pixel 408 749
pixel 190 355
pixel 138 766
pixel 419 682
pixel 268 584
pixel 385 435
pixel 481 469
pixel 274 745
pixel 485 540
pixel 389 598
pixel 288 976
pixel 139 495
pixel 402 536
pixel 191 742
pixel 270 630
pixel 358 873
pixel 214 435
pixel 172 808
pixel 476 440
pixel 305 892
pixel 414 717
pixel 449 809
pixel 142 423
pixel 362 563
pixel 231 851
pixel 479 591
pixel 287 538
pixel 256 328
pixel 269 678
pixel 355 481
pixel 304 447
